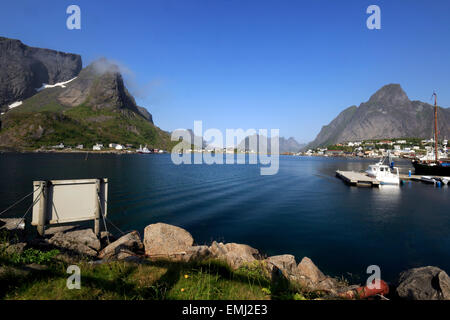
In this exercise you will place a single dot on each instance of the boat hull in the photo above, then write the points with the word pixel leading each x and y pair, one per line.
pixel 427 169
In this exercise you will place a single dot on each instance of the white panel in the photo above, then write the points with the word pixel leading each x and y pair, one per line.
pixel 70 200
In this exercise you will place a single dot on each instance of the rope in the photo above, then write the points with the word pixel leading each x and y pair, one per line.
pixel 121 232
pixel 103 216
pixel 382 297
pixel 13 205
pixel 115 226
pixel 32 205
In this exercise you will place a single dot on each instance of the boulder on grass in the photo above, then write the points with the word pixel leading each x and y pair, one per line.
pixel 234 254
pixel 284 263
pixel 16 248
pixel 426 283
pixel 51 231
pixel 307 269
pixel 81 242
pixel 130 242
pixel 310 276
pixel 12 224
pixel 164 240
pixel 13 227
pixel 196 253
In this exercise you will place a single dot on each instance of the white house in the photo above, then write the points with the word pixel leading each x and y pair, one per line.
pixel 97 147
pixel 119 147
pixel 59 146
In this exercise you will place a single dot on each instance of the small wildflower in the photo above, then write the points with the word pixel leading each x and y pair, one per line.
pixel 182 289
pixel 186 276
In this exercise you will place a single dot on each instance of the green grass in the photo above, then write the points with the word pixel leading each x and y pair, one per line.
pixel 160 280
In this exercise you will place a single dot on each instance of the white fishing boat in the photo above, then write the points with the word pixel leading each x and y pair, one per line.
pixel 384 173
pixel 143 150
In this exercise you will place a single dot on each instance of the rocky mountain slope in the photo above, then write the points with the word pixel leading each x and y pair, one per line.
pixel 285 145
pixel 387 114
pixel 93 106
pixel 24 68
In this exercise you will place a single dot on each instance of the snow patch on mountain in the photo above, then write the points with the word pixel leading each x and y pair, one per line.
pixel 15 104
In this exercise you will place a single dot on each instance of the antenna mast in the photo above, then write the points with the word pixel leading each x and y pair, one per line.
pixel 435 128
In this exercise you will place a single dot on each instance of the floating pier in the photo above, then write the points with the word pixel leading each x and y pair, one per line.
pixel 357 179
pixel 417 177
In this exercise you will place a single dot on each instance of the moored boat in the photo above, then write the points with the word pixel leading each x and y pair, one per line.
pixel 428 179
pixel 437 166
pixel 384 174
pixel 144 150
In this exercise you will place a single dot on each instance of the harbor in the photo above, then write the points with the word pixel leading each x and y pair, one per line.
pixel 361 179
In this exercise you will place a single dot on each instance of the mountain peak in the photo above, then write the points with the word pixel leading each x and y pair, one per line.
pixel 24 68
pixel 103 65
pixel 390 95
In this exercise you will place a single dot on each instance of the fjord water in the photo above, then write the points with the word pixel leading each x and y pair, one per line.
pixel 303 210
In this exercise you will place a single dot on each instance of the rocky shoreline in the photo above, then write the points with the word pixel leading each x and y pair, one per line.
pixel 172 243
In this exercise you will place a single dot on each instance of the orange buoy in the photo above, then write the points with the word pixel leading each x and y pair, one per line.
pixel 366 292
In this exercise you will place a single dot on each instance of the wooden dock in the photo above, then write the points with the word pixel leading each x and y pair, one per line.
pixel 361 179
pixel 357 179
pixel 407 177
pixel 416 177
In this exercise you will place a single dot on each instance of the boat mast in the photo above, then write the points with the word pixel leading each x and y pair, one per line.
pixel 435 128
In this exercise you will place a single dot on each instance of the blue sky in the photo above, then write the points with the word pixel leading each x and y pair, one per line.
pixel 292 65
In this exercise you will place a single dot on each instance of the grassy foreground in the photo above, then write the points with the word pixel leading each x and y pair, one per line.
pixel 209 280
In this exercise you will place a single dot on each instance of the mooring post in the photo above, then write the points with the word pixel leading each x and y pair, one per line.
pixel 42 208
pixel 97 208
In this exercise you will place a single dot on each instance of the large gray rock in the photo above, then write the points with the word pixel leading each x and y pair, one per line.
pixel 285 263
pixel 196 253
pixel 234 254
pixel 82 242
pixel 306 268
pixel 24 68
pixel 11 224
pixel 51 231
pixel 16 248
pixel 310 276
pixel 163 240
pixel 130 242
pixel 426 283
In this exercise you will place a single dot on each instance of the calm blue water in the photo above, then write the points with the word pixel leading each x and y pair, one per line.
pixel 303 210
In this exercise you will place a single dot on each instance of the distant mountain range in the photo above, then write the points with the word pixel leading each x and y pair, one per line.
pixel 387 114
pixel 285 145
pixel 46 99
